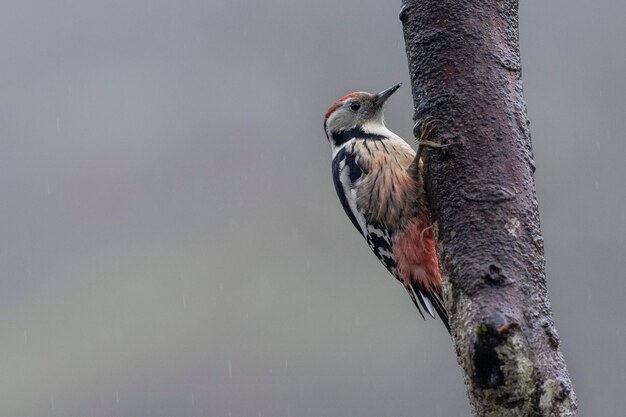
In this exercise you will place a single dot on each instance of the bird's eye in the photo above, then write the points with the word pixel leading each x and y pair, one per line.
pixel 355 106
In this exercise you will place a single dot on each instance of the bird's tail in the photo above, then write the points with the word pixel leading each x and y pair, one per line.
pixel 431 302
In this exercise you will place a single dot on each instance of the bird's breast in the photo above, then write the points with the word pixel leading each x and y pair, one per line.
pixel 387 193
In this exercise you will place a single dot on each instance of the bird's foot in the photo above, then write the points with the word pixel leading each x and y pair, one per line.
pixel 422 139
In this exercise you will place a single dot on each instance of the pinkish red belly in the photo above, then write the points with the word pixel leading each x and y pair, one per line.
pixel 416 259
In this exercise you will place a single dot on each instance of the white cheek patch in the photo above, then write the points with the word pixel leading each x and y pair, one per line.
pixel 340 120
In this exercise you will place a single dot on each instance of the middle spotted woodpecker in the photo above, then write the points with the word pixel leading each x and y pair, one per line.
pixel 380 186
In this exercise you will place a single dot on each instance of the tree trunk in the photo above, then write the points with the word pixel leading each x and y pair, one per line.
pixel 466 80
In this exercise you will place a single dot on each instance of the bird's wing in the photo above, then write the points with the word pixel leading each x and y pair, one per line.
pixel 346 173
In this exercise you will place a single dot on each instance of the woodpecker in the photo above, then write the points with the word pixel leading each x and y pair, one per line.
pixel 380 185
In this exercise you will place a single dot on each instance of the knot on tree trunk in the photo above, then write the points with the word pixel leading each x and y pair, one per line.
pixel 501 366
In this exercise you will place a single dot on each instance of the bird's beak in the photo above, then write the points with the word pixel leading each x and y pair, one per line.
pixel 381 97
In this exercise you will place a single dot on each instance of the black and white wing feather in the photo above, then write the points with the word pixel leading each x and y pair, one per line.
pixel 346 173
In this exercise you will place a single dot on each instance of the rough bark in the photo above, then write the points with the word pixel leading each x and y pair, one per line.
pixel 465 72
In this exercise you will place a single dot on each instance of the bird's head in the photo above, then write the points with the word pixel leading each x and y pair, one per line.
pixel 360 110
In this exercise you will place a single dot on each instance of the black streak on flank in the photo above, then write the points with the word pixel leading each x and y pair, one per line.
pixel 339 138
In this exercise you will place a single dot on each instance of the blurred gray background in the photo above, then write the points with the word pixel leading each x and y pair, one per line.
pixel 171 240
